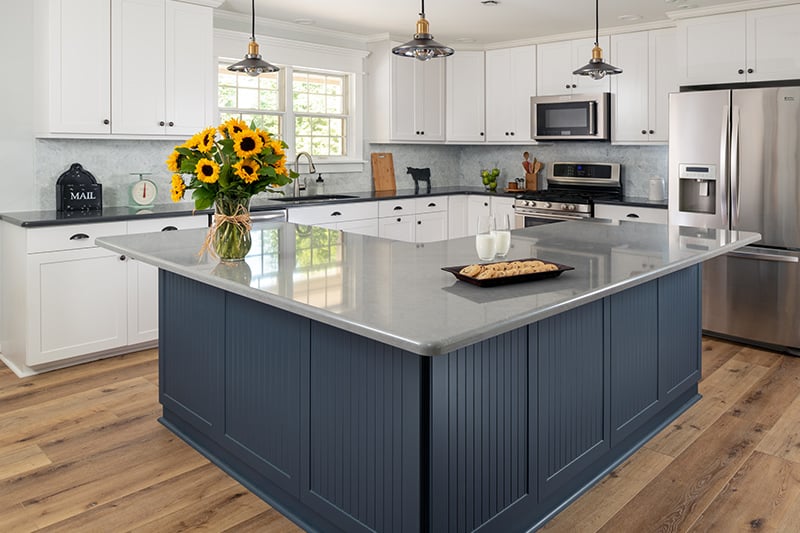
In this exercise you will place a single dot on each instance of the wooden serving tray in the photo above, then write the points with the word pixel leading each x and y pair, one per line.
pixel 506 280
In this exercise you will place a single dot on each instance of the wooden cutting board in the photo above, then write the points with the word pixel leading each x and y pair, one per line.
pixel 383 171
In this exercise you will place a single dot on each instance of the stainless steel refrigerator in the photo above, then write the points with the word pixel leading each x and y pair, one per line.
pixel 734 162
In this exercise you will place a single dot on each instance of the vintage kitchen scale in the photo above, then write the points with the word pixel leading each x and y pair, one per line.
pixel 78 190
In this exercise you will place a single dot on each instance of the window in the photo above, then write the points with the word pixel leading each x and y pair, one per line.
pixel 311 114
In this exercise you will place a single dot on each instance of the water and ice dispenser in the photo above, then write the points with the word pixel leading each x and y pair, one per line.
pixel 697 189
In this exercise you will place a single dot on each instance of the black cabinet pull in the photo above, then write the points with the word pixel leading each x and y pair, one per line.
pixel 106 122
pixel 432 204
pixel 632 215
pixel 170 124
pixel 79 237
pixel 169 228
pixel 336 214
pixel 398 208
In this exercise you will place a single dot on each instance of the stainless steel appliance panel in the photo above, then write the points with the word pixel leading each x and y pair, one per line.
pixel 754 294
pixel 571 117
pixel 765 164
pixel 699 136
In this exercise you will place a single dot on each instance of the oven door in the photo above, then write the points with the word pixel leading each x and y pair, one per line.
pixel 529 219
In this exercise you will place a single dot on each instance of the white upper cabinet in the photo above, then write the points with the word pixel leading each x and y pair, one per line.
pixel 465 97
pixel 755 45
pixel 510 83
pixel 417 93
pixel 556 62
pixel 641 92
pixel 132 67
pixel 78 98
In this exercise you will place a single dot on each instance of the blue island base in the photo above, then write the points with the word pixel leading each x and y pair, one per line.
pixel 343 433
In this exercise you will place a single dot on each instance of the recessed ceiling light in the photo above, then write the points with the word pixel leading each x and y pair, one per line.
pixel 304 22
pixel 489 2
pixel 630 17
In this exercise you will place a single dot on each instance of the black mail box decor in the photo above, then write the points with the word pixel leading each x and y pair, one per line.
pixel 78 190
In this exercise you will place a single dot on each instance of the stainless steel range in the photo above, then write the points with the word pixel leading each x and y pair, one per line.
pixel 570 194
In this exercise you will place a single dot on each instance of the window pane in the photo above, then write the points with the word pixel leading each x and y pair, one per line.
pixel 226 77
pixel 302 126
pixel 336 146
pixel 270 100
pixel 303 144
pixel 337 126
pixel 227 96
pixel 301 102
pixel 247 81
pixel 248 99
pixel 316 103
pixel 335 105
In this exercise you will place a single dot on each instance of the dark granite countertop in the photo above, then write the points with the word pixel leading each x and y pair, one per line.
pixel 32 219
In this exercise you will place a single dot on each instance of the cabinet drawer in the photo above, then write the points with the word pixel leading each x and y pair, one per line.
pixel 430 204
pixel 637 214
pixel 400 206
pixel 151 225
pixel 71 236
pixel 333 213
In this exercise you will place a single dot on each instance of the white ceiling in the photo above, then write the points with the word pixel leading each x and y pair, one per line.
pixel 466 21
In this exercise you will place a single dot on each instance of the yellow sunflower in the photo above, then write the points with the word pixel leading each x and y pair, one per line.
pixel 266 138
pixel 232 126
pixel 192 142
pixel 205 140
pixel 207 171
pixel 174 162
pixel 178 187
pixel 281 169
pixel 277 147
pixel 247 169
pixel 247 143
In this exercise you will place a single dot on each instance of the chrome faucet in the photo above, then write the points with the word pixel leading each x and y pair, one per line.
pixel 311 170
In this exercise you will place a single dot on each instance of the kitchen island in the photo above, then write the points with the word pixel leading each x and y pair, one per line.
pixel 355 386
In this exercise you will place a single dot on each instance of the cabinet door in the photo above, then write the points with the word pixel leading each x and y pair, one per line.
pixel 772 43
pixel 429 95
pixel 142 302
pixel 457 217
pixel 403 101
pixel 523 86
pixel 77 304
pixel 465 97
pixel 399 228
pixel 554 68
pixel 362 227
pixel 712 49
pixel 80 97
pixel 476 206
pixel 190 85
pixel 510 83
pixel 663 81
pixel 503 206
pixel 138 66
pixel 431 227
pixel 631 89
pixel 581 54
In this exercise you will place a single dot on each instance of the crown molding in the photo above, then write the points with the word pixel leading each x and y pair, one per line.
pixel 269 41
pixel 746 5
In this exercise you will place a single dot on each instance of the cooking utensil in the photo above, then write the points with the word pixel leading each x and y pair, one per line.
pixel 526 164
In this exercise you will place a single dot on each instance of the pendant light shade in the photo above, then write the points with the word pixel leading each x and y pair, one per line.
pixel 597 69
pixel 422 46
pixel 252 64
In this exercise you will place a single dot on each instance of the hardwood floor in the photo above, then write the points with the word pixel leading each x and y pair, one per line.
pixel 81 450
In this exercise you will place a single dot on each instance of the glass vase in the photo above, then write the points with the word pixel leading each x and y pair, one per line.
pixel 232 239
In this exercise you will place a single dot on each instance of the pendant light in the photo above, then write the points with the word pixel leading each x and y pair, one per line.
pixel 252 64
pixel 422 46
pixel 597 68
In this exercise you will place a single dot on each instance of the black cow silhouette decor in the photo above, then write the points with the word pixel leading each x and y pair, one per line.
pixel 420 174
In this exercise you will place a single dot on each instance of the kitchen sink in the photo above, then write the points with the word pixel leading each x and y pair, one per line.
pixel 313 198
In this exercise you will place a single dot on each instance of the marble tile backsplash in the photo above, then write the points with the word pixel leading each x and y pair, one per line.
pixel 113 161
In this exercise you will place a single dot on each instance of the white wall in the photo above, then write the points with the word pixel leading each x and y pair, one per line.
pixel 16 105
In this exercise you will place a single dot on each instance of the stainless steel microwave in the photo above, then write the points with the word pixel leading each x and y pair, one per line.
pixel 571 117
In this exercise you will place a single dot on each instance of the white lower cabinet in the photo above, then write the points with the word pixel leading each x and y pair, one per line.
pixel 431 227
pixel 457 213
pixel 477 206
pixel 632 213
pixel 355 217
pixel 76 301
pixel 398 228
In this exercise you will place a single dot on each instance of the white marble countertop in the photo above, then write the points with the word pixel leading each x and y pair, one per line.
pixel 396 293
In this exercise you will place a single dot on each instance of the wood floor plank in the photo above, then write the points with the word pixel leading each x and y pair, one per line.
pixel 783 440
pixel 771 396
pixel 597 506
pixel 716 353
pixel 685 488
pixel 720 391
pixel 270 521
pixel 16 460
pixel 764 495
pixel 758 357
pixel 150 503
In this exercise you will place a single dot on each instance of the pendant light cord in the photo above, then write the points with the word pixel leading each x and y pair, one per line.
pixel 253 21
pixel 423 9
pixel 596 22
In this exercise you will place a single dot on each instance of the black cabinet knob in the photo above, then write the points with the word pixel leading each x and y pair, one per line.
pixel 506 133
pixel 652 132
pixel 644 132
pixel 741 71
pixel 419 222
pixel 122 258
pixel 750 71
pixel 422 133
pixel 567 86
pixel 481 134
pixel 106 122
pixel 170 124
pixel 399 219
pixel 161 123
pixel 574 86
pixel 512 133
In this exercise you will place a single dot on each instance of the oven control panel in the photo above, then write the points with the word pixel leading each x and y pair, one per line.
pixel 604 174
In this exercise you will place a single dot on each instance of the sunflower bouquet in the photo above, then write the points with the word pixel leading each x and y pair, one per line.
pixel 228 165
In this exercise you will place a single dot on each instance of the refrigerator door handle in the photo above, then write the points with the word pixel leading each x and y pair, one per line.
pixel 757 256
pixel 735 200
pixel 724 160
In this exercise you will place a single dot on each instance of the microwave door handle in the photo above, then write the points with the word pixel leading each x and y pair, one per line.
pixel 592 118
pixel 735 199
